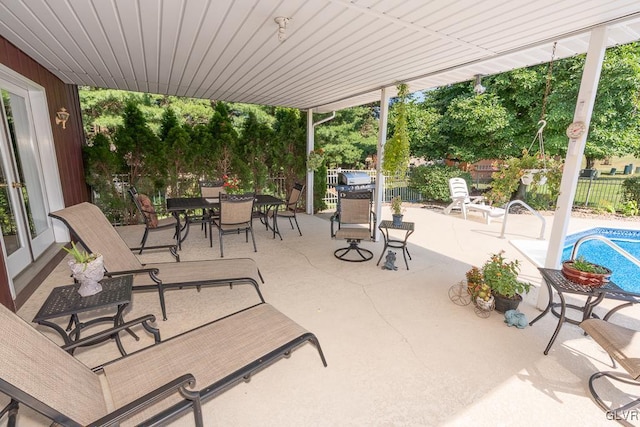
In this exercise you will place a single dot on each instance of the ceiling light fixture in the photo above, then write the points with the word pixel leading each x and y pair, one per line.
pixel 478 88
pixel 282 27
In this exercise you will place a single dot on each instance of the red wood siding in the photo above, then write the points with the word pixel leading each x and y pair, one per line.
pixel 68 142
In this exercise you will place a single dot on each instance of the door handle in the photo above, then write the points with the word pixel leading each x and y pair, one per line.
pixel 16 184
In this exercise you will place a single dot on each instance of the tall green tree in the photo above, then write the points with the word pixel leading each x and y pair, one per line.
pixel 289 145
pixel 225 140
pixel 180 156
pixel 254 146
pixel 141 150
pixel 349 138
pixel 476 127
pixel 204 153
pixel 168 121
pixel 396 149
pixel 615 126
pixel 520 94
pixel 424 135
pixel 102 165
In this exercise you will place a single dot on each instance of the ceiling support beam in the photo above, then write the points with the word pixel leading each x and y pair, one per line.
pixel 310 145
pixel 382 140
pixel 575 151
pixel 311 133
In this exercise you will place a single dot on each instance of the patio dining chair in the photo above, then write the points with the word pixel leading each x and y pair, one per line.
pixel 291 206
pixel 148 213
pixel 209 190
pixel 95 232
pixel 355 221
pixel 152 386
pixel 236 215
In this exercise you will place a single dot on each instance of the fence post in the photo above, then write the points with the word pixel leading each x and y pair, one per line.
pixel 586 201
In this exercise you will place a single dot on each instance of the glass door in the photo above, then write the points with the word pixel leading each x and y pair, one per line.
pixel 26 228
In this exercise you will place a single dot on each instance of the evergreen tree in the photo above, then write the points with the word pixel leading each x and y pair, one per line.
pixel 225 140
pixel 254 143
pixel 289 145
pixel 140 150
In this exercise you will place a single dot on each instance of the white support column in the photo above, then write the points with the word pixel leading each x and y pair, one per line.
pixel 382 139
pixel 310 146
pixel 575 151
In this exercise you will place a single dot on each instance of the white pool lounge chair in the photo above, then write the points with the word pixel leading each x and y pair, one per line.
pixel 460 199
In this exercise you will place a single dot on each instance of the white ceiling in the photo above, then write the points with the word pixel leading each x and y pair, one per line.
pixel 338 53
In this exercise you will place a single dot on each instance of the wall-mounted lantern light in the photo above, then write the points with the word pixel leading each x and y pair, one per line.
pixel 61 117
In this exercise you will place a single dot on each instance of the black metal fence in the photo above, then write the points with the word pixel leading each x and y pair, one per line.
pixel 599 192
pixel 590 192
pixel 604 193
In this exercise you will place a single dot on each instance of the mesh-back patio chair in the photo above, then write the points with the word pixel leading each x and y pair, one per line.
pixel 94 231
pixel 209 190
pixel 355 222
pixel 236 215
pixel 154 385
pixel 148 213
pixel 622 345
pixel 291 206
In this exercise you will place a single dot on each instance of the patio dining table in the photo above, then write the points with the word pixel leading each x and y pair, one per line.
pixel 264 204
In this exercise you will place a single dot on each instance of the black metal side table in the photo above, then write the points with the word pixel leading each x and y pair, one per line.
pixel 555 280
pixel 66 301
pixel 387 225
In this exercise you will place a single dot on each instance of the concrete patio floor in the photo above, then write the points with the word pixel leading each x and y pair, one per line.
pixel 399 352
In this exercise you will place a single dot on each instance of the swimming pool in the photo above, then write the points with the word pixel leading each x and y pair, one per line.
pixel 625 274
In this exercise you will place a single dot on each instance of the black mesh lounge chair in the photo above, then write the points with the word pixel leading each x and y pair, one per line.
pixel 291 206
pixel 622 345
pixel 148 213
pixel 154 385
pixel 355 222
pixel 236 215
pixel 96 234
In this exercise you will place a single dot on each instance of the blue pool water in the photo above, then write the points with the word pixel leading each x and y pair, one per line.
pixel 625 274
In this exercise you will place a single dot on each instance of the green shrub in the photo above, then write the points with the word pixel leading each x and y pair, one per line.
pixel 606 206
pixel 539 201
pixel 433 181
pixel 631 189
pixel 629 208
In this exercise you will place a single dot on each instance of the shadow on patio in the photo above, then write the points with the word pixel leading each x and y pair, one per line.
pixel 399 352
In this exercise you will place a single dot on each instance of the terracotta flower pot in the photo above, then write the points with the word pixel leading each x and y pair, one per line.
pixel 583 277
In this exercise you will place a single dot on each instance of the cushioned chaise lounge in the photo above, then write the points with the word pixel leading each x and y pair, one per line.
pixel 153 385
pixel 95 233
